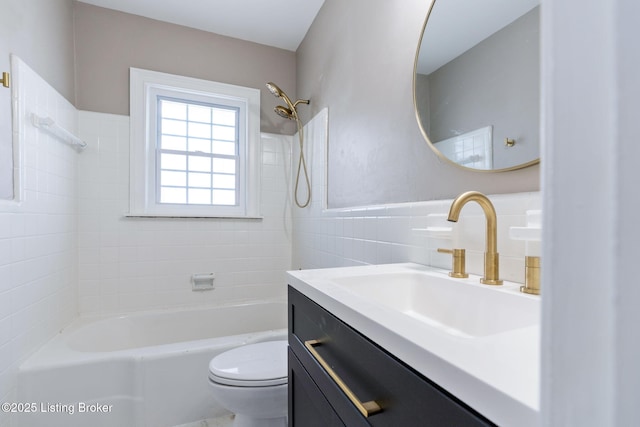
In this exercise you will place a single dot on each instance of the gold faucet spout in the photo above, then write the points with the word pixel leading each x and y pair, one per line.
pixel 491 257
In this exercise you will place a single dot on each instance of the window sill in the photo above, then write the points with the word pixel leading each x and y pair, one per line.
pixel 183 216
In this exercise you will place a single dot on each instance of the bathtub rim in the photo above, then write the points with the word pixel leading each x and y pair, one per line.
pixel 56 351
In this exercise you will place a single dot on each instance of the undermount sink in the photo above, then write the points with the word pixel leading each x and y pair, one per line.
pixel 458 307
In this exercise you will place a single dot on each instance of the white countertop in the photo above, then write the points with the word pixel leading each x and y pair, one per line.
pixel 497 375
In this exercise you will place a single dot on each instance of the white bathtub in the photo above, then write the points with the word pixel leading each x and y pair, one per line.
pixel 148 369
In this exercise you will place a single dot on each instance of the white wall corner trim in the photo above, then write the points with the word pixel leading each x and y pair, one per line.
pixel 590 175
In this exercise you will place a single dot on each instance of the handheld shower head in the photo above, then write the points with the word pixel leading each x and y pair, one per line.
pixel 274 89
pixel 290 112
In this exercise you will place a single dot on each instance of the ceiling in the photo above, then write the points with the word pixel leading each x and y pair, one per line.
pixel 278 23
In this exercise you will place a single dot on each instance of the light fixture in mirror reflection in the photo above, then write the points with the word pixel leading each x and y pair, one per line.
pixel 476 83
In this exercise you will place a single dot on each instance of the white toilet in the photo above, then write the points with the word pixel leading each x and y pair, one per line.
pixel 251 381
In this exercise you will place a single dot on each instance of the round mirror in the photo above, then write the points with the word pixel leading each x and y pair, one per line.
pixel 477 83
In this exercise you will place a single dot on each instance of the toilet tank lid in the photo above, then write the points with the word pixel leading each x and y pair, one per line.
pixel 252 362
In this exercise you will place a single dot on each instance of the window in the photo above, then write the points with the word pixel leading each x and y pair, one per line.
pixel 195 147
pixel 197 153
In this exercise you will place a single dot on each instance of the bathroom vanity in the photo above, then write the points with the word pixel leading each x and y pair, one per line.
pixel 361 353
pixel 404 397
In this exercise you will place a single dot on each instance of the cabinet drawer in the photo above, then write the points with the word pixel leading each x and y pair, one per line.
pixel 405 396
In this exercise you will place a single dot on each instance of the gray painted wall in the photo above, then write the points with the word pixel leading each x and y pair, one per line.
pixel 357 59
pixel 41 33
pixel 109 42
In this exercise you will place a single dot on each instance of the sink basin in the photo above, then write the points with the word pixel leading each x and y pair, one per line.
pixel 457 307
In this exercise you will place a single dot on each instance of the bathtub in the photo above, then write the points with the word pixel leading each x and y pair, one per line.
pixel 147 369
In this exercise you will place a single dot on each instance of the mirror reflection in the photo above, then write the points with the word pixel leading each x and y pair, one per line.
pixel 477 91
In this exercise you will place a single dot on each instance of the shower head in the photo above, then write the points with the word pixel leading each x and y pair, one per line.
pixel 278 93
pixel 274 89
pixel 288 112
pixel 284 112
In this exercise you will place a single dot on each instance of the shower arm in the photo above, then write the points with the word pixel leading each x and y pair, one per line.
pixel 304 101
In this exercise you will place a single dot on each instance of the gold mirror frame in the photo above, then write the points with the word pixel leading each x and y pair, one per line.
pixel 420 125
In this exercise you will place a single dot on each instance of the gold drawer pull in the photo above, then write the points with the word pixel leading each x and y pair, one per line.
pixel 366 408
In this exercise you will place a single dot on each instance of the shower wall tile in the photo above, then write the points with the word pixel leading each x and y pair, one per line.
pixel 38 234
pixel 397 232
pixel 130 264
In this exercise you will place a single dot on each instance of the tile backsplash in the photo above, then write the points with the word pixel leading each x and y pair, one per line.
pixel 404 232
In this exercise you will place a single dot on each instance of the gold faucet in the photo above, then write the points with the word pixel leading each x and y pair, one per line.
pixel 491 258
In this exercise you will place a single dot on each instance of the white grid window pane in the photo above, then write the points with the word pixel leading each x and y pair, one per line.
pixel 174 110
pixel 173 195
pixel 224 116
pixel 199 130
pixel 175 143
pixel 199 113
pixel 174 127
pixel 174 179
pixel 224 148
pixel 224 165
pixel 199 164
pixel 173 162
pixel 199 196
pixel 224 133
pixel 202 180
pixel 201 145
pixel 198 154
pixel 224 181
pixel 224 197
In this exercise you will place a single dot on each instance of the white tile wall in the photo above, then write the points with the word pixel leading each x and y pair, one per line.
pixel 37 235
pixel 389 233
pixel 129 264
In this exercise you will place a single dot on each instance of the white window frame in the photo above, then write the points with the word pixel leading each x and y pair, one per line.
pixel 145 88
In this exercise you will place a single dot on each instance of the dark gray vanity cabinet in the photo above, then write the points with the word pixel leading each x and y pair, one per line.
pixel 405 397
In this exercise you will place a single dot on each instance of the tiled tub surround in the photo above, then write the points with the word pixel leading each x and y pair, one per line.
pixel 396 232
pixel 38 234
pixel 131 264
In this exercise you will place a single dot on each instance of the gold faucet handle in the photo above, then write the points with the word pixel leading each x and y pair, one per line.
pixel 458 262
pixel 532 276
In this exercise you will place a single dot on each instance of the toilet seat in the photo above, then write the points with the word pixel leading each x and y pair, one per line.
pixel 255 365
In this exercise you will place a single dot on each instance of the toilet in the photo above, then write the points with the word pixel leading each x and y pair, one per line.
pixel 251 382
